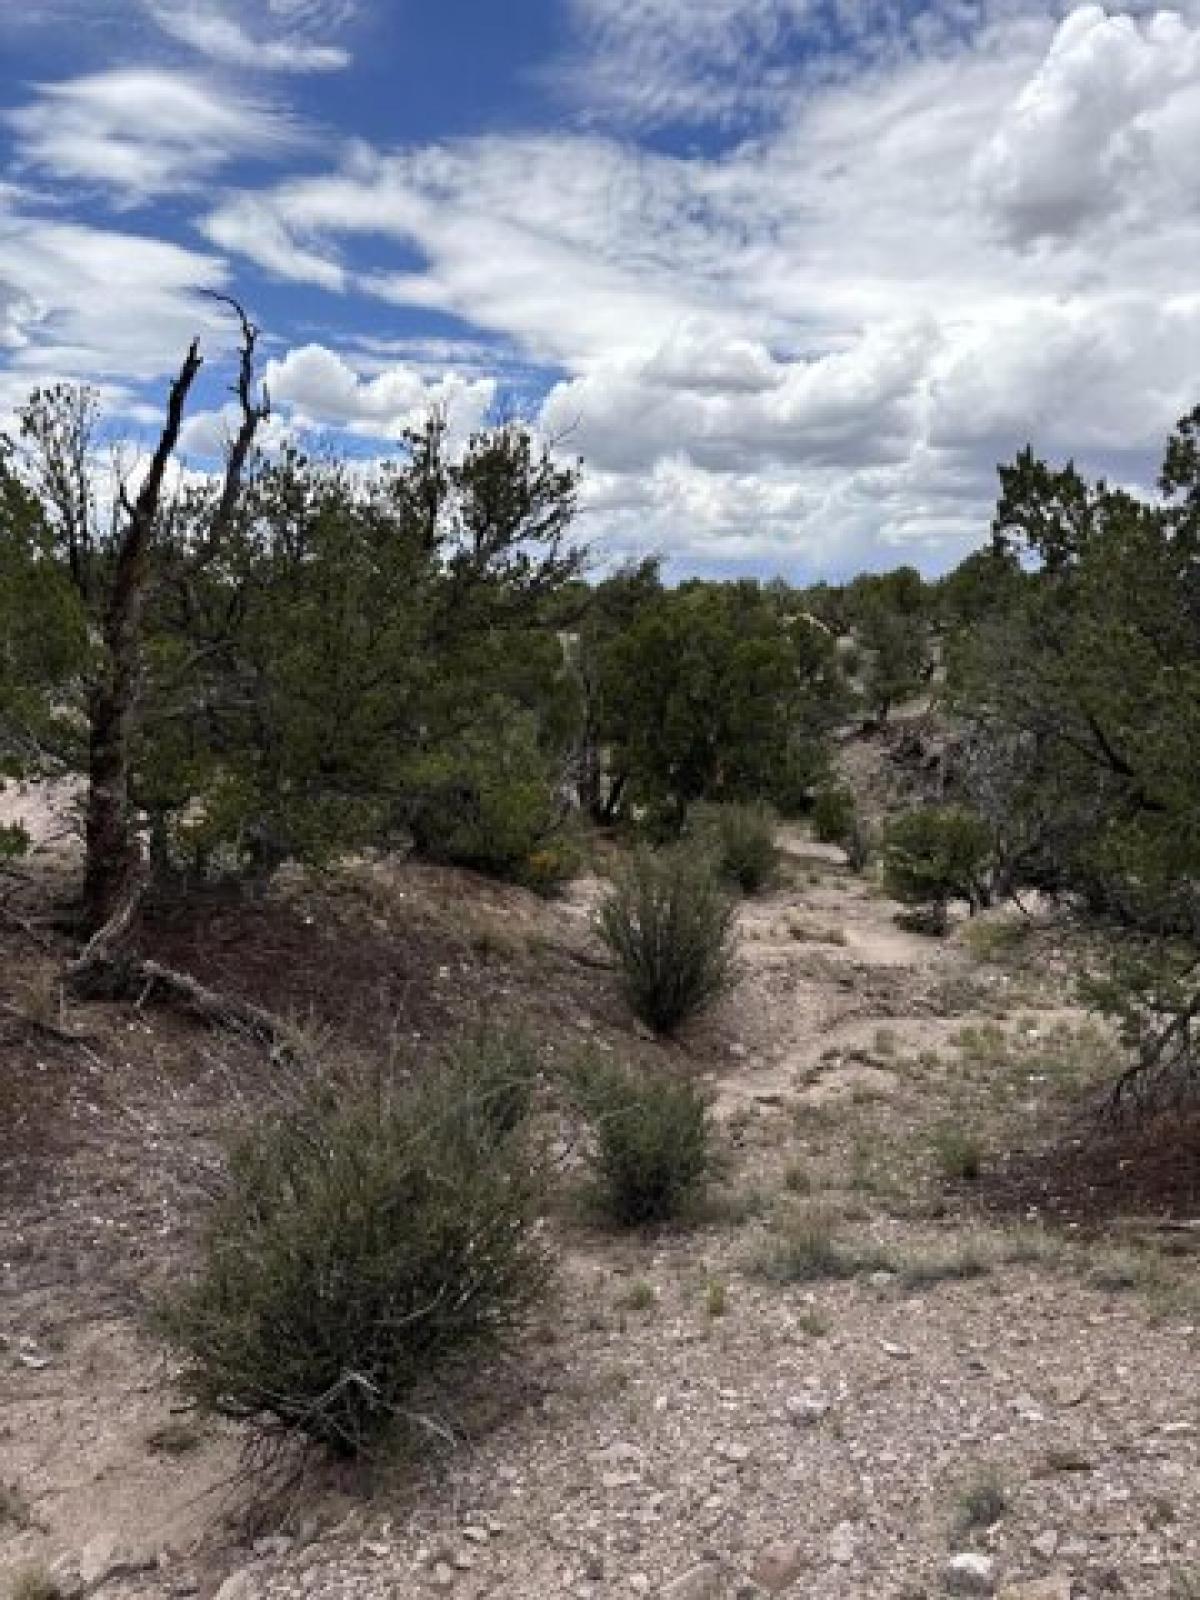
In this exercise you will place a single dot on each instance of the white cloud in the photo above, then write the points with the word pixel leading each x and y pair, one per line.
pixel 828 313
pixel 143 132
pixel 220 34
pixel 321 389
pixel 1108 124
pixel 808 347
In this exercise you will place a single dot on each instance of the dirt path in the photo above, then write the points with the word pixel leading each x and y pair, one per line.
pixel 957 1404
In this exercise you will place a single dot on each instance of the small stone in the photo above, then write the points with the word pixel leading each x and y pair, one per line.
pixel 969 1573
pixel 806 1409
pixel 898 1352
pixel 475 1533
pixel 618 1480
pixel 238 1586
pixel 842 1543
pixel 1045 1544
pixel 778 1566
pixel 734 1452
pixel 442 1576
pixel 464 1560
pixel 278 1544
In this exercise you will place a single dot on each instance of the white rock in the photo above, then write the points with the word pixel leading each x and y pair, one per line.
pixel 238 1586
pixel 1046 1544
pixel 806 1409
pixel 968 1573
pixel 842 1543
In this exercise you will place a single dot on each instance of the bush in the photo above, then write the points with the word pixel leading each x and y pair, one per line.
pixel 651 1153
pixel 833 814
pixel 488 800
pixel 671 927
pixel 372 1239
pixel 493 1072
pixel 742 841
pixel 836 820
pixel 936 854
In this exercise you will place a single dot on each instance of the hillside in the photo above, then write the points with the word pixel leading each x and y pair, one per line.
pixel 859 1366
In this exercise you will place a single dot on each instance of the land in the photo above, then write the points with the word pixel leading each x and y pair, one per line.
pixel 943 1305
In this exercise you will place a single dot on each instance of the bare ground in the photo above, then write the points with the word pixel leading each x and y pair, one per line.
pixel 683 1424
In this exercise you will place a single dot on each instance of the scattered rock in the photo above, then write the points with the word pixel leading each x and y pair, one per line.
pixel 1045 1544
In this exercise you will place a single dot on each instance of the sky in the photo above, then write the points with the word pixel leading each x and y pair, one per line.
pixel 791 276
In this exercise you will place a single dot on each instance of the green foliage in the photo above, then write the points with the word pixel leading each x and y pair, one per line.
pixel 717 692
pixel 836 820
pixel 486 799
pixel 651 1153
pixel 310 667
pixel 493 1072
pixel 14 841
pixel 372 1239
pixel 937 854
pixel 670 925
pixel 958 1152
pixel 742 841
pixel 888 613
pixel 1083 693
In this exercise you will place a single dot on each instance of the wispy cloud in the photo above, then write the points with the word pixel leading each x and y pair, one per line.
pixel 141 133
pixel 221 35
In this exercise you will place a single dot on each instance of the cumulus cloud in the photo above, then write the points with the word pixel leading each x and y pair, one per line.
pixel 143 132
pixel 1100 127
pixel 321 389
pixel 804 348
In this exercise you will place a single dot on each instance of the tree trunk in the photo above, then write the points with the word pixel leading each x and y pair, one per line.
pixel 113 853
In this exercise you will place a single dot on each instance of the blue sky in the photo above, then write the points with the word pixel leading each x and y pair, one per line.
pixel 792 275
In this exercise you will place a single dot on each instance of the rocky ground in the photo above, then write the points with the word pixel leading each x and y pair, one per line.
pixel 936 1335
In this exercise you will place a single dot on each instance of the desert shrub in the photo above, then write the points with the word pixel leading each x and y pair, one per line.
pixel 488 800
pixel 936 854
pixel 14 841
pixel 493 1071
pixel 670 925
pixel 806 1248
pixel 836 820
pixel 741 839
pixel 373 1239
pixel 651 1151
pixel 833 813
pixel 958 1152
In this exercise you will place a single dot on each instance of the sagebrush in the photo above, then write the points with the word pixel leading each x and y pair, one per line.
pixel 375 1239
pixel 651 1150
pixel 741 839
pixel 670 924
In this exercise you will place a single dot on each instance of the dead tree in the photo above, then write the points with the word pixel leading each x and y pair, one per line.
pixel 112 871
